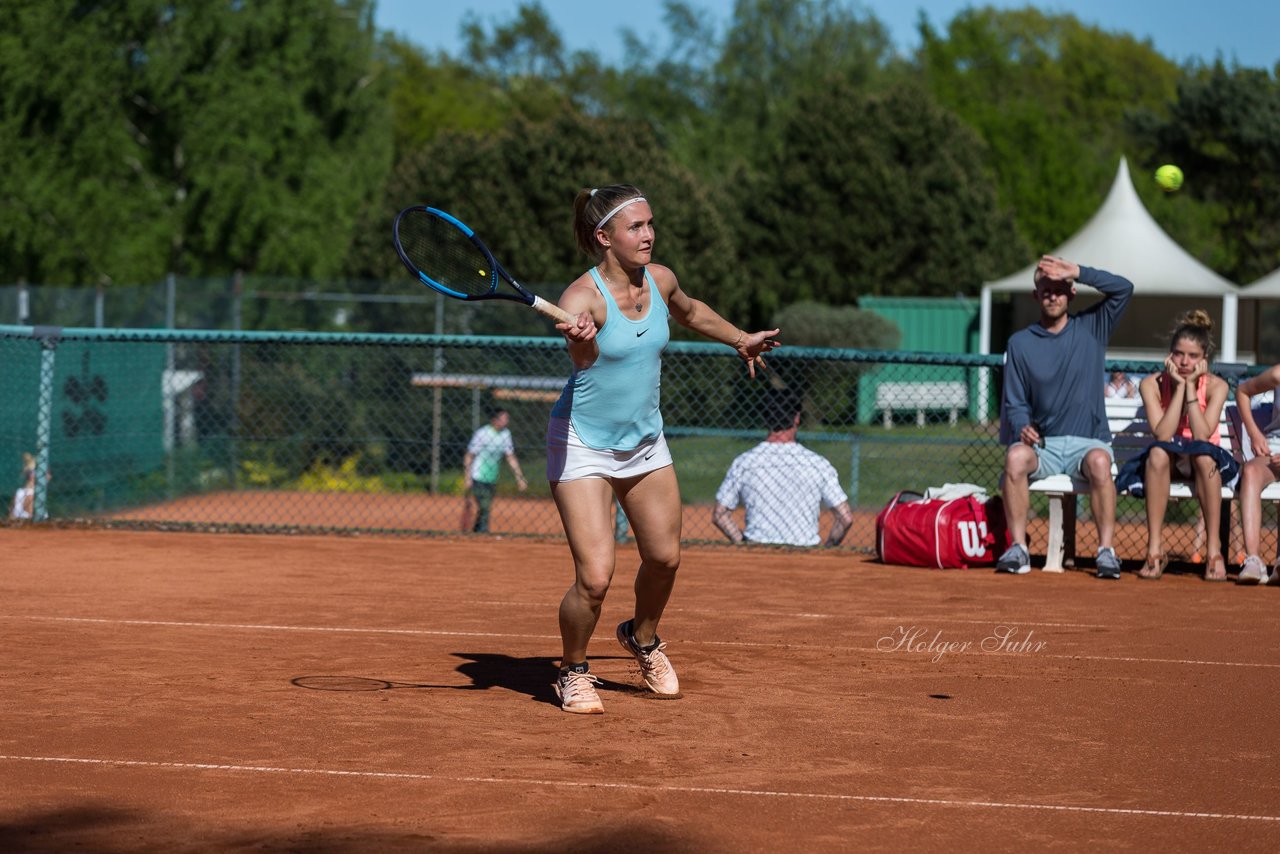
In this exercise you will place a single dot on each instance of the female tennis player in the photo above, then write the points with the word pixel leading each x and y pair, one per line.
pixel 605 434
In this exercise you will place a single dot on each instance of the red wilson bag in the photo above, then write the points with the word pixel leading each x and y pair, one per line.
pixel 954 533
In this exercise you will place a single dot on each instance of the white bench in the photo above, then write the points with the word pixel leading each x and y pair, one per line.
pixel 1130 436
pixel 921 397
pixel 1262 417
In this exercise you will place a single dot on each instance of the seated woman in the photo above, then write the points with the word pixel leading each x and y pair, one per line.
pixel 1120 386
pixel 1183 405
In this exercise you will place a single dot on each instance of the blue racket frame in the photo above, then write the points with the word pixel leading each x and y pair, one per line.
pixel 495 270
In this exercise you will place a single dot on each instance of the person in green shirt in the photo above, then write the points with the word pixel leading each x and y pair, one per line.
pixel 481 464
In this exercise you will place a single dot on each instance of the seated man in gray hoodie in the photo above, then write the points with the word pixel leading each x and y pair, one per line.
pixel 1053 412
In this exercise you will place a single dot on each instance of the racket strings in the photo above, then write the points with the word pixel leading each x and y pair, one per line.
pixel 444 254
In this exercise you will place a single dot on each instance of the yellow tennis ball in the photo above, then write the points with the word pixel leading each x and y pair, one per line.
pixel 1169 177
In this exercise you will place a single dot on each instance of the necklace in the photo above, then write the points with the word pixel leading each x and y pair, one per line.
pixel 637 305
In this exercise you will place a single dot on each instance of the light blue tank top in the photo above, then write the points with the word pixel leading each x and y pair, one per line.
pixel 613 405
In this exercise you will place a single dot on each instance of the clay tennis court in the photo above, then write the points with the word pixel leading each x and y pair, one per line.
pixel 174 692
pixel 312 512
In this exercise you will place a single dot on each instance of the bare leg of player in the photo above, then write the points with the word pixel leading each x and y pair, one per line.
pixel 586 511
pixel 652 503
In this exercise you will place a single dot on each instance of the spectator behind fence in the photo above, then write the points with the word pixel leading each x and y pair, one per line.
pixel 1257 474
pixel 1120 386
pixel 481 464
pixel 1053 414
pixel 24 498
pixel 784 486
pixel 1183 404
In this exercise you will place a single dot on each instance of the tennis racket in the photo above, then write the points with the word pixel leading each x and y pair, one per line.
pixel 448 257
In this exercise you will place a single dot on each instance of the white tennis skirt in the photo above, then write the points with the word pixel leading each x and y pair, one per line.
pixel 569 459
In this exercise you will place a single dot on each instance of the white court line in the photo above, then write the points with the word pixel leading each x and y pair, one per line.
pixel 273 628
pixel 1155 660
pixel 746 644
pixel 671 610
pixel 999 621
pixel 648 788
pixel 877 618
pixel 873 618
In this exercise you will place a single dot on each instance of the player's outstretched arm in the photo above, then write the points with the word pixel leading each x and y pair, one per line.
pixel 703 319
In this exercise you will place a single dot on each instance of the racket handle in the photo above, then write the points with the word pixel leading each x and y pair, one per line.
pixel 551 310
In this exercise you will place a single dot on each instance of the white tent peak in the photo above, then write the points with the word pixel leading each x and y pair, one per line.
pixel 1267 286
pixel 1124 239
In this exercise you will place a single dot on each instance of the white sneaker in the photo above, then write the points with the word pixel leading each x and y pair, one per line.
pixel 577 693
pixel 1015 560
pixel 1253 571
pixel 655 667
pixel 1108 564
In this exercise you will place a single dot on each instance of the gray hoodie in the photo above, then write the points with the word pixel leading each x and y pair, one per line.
pixel 1056 380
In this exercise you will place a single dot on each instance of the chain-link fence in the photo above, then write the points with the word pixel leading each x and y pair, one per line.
pixel 312 432
pixel 253 302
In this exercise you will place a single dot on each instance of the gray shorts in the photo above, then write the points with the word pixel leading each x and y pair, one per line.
pixel 1064 455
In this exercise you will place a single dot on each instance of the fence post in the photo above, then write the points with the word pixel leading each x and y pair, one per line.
pixel 237 290
pixel 170 442
pixel 855 468
pixel 24 303
pixel 99 306
pixel 984 347
pixel 437 365
pixel 48 337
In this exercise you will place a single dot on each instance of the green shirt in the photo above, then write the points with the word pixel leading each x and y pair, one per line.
pixel 487 448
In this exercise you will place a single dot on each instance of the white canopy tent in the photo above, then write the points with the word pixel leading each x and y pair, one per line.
pixel 1123 237
pixel 1268 287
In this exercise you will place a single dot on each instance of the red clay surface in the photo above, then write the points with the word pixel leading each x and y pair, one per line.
pixel 537 516
pixel 413 512
pixel 183 692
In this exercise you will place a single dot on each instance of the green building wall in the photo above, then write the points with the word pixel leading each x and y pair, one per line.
pixel 928 325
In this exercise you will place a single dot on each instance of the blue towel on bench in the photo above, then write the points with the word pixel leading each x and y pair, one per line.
pixel 1130 476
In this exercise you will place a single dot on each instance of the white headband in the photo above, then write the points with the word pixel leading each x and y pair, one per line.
pixel 609 215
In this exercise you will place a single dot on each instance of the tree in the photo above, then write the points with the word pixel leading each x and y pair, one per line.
pixel 429 95
pixel 1223 130
pixel 72 165
pixel 814 324
pixel 830 388
pixel 516 189
pixel 1048 95
pixel 775 52
pixel 880 194
pixel 712 99
pixel 670 90
pixel 147 136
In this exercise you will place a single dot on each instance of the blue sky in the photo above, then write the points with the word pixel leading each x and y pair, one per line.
pixel 1242 30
